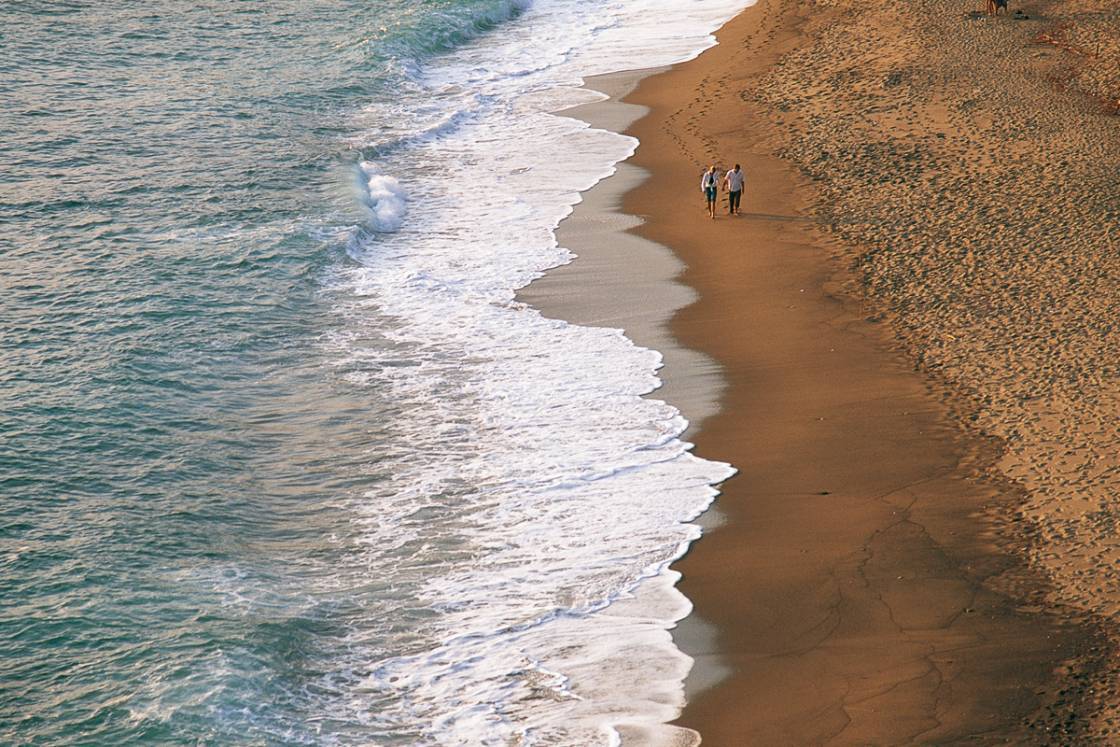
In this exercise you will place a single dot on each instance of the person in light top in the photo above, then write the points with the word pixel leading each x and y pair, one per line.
pixel 734 182
pixel 709 185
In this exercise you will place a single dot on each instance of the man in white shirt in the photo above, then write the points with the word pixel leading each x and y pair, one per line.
pixel 734 181
pixel 709 185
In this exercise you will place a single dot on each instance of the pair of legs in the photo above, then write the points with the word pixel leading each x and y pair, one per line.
pixel 733 199
pixel 710 195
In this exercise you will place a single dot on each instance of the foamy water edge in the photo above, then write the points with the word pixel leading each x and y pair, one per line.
pixel 644 688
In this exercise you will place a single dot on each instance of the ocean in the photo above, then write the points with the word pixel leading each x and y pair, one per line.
pixel 282 458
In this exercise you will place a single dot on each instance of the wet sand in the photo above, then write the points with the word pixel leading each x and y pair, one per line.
pixel 620 279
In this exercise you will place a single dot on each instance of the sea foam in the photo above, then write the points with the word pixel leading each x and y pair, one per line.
pixel 537 495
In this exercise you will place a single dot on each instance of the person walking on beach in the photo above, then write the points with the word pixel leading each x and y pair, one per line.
pixel 733 180
pixel 709 185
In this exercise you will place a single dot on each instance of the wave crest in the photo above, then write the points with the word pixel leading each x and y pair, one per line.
pixel 383 198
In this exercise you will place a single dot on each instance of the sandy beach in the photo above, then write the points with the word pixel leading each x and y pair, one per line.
pixel 914 316
pixel 914 322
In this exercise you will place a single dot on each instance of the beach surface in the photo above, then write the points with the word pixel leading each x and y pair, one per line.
pixel 913 326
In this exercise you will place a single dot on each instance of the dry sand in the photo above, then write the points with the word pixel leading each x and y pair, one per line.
pixel 917 320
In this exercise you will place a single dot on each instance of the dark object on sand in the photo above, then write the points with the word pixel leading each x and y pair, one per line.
pixel 1021 16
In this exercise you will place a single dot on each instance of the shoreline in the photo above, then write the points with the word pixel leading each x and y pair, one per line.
pixel 604 286
pixel 894 560
pixel 857 581
pixel 621 280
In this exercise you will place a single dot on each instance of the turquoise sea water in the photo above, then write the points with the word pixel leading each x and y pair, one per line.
pixel 168 431
pixel 280 459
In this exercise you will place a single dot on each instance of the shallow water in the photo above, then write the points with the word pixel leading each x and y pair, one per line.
pixel 281 458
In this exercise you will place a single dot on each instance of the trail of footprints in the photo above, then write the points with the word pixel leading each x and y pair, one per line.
pixel 980 207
